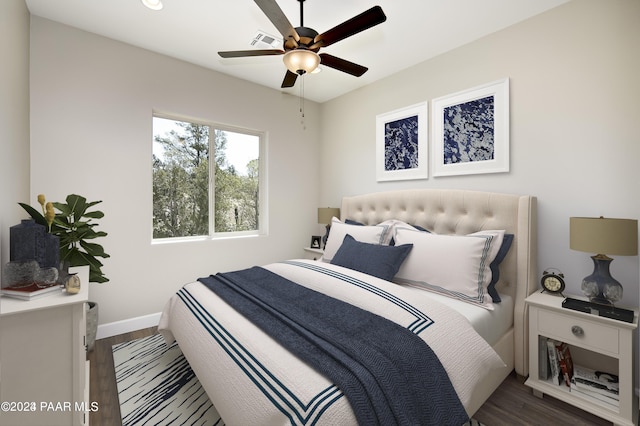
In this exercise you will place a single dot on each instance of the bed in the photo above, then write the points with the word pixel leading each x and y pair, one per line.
pixel 252 378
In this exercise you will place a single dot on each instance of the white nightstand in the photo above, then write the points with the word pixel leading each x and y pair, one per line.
pixel 595 342
pixel 312 253
pixel 44 363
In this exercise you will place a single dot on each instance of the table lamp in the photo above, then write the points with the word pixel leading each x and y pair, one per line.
pixel 603 235
pixel 325 214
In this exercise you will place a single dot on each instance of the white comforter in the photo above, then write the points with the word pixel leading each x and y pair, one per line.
pixel 252 380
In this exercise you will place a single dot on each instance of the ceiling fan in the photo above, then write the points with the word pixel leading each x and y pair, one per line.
pixel 301 44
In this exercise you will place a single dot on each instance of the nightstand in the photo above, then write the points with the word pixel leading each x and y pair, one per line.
pixel 313 253
pixel 595 342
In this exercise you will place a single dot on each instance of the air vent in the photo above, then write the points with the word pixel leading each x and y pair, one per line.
pixel 263 40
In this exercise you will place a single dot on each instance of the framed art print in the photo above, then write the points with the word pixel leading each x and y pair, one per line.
pixel 471 131
pixel 401 144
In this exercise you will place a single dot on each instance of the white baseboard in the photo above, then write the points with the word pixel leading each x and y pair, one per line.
pixel 128 325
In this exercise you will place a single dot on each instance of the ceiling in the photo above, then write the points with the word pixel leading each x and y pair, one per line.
pixel 195 30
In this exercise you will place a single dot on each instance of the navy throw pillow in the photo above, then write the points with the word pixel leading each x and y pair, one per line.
pixel 378 260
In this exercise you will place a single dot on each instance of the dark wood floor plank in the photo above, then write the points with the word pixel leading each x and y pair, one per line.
pixel 102 383
pixel 512 404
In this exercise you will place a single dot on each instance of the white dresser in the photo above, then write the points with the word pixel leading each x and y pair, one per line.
pixel 43 368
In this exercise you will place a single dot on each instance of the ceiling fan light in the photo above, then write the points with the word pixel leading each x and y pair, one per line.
pixel 153 4
pixel 301 61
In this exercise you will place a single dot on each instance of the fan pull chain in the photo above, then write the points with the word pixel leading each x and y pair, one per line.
pixel 302 79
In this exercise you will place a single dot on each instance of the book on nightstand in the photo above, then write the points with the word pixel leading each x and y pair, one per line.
pixel 544 364
pixel 608 399
pixel 31 291
pixel 597 384
pixel 565 361
pixel 556 373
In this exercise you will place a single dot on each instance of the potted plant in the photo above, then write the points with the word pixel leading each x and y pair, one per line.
pixel 74 225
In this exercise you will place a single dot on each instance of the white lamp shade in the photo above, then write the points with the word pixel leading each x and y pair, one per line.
pixel 301 61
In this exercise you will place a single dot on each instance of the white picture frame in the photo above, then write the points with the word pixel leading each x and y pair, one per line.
pixel 401 144
pixel 470 131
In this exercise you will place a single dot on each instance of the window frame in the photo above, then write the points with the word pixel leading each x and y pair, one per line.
pixel 262 181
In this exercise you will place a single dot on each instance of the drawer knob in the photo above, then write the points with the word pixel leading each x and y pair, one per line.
pixel 577 331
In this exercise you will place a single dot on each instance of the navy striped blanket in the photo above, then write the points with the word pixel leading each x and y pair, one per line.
pixel 389 375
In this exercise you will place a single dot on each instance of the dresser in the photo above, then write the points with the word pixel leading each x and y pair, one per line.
pixel 44 374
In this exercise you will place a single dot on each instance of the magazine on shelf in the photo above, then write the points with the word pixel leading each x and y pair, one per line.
pixel 596 382
pixel 31 291
pixel 603 378
pixel 552 353
pixel 565 362
pixel 611 399
pixel 544 367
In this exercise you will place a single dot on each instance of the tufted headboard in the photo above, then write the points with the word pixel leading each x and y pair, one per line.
pixel 461 212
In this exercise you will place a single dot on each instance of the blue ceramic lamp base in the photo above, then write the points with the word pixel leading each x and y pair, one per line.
pixel 600 286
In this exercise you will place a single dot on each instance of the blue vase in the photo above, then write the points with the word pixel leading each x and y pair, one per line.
pixel 26 242
pixel 31 241
pixel 51 251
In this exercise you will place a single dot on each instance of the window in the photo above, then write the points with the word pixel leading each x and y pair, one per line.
pixel 206 179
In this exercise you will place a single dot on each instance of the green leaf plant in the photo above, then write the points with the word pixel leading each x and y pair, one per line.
pixel 73 224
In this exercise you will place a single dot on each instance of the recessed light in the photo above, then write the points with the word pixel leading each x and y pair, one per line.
pixel 153 4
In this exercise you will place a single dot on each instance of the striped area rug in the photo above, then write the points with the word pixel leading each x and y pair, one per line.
pixel 156 386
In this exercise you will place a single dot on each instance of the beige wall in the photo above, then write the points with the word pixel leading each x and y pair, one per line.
pixel 574 115
pixel 92 100
pixel 14 116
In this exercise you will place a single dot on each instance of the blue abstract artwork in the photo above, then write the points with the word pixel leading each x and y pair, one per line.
pixel 469 131
pixel 401 144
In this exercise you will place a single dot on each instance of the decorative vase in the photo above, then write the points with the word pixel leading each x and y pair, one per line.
pixel 26 242
pixel 72 284
pixel 31 241
pixel 51 251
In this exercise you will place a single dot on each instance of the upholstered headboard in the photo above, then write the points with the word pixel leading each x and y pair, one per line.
pixel 461 212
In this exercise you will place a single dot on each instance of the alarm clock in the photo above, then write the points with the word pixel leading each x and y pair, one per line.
pixel 552 281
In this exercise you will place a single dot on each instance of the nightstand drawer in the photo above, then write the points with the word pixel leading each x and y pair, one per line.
pixel 578 331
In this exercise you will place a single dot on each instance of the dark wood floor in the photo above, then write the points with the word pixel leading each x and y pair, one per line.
pixel 512 404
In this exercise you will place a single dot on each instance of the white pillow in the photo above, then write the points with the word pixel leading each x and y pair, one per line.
pixel 365 234
pixel 392 225
pixel 454 265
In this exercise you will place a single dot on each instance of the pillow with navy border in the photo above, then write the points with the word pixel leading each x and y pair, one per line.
pixel 380 261
pixel 495 267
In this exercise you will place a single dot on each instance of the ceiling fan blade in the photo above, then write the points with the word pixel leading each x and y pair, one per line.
pixel 255 52
pixel 289 79
pixel 278 19
pixel 365 20
pixel 342 65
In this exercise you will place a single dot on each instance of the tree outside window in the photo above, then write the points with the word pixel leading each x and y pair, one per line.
pixel 199 169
